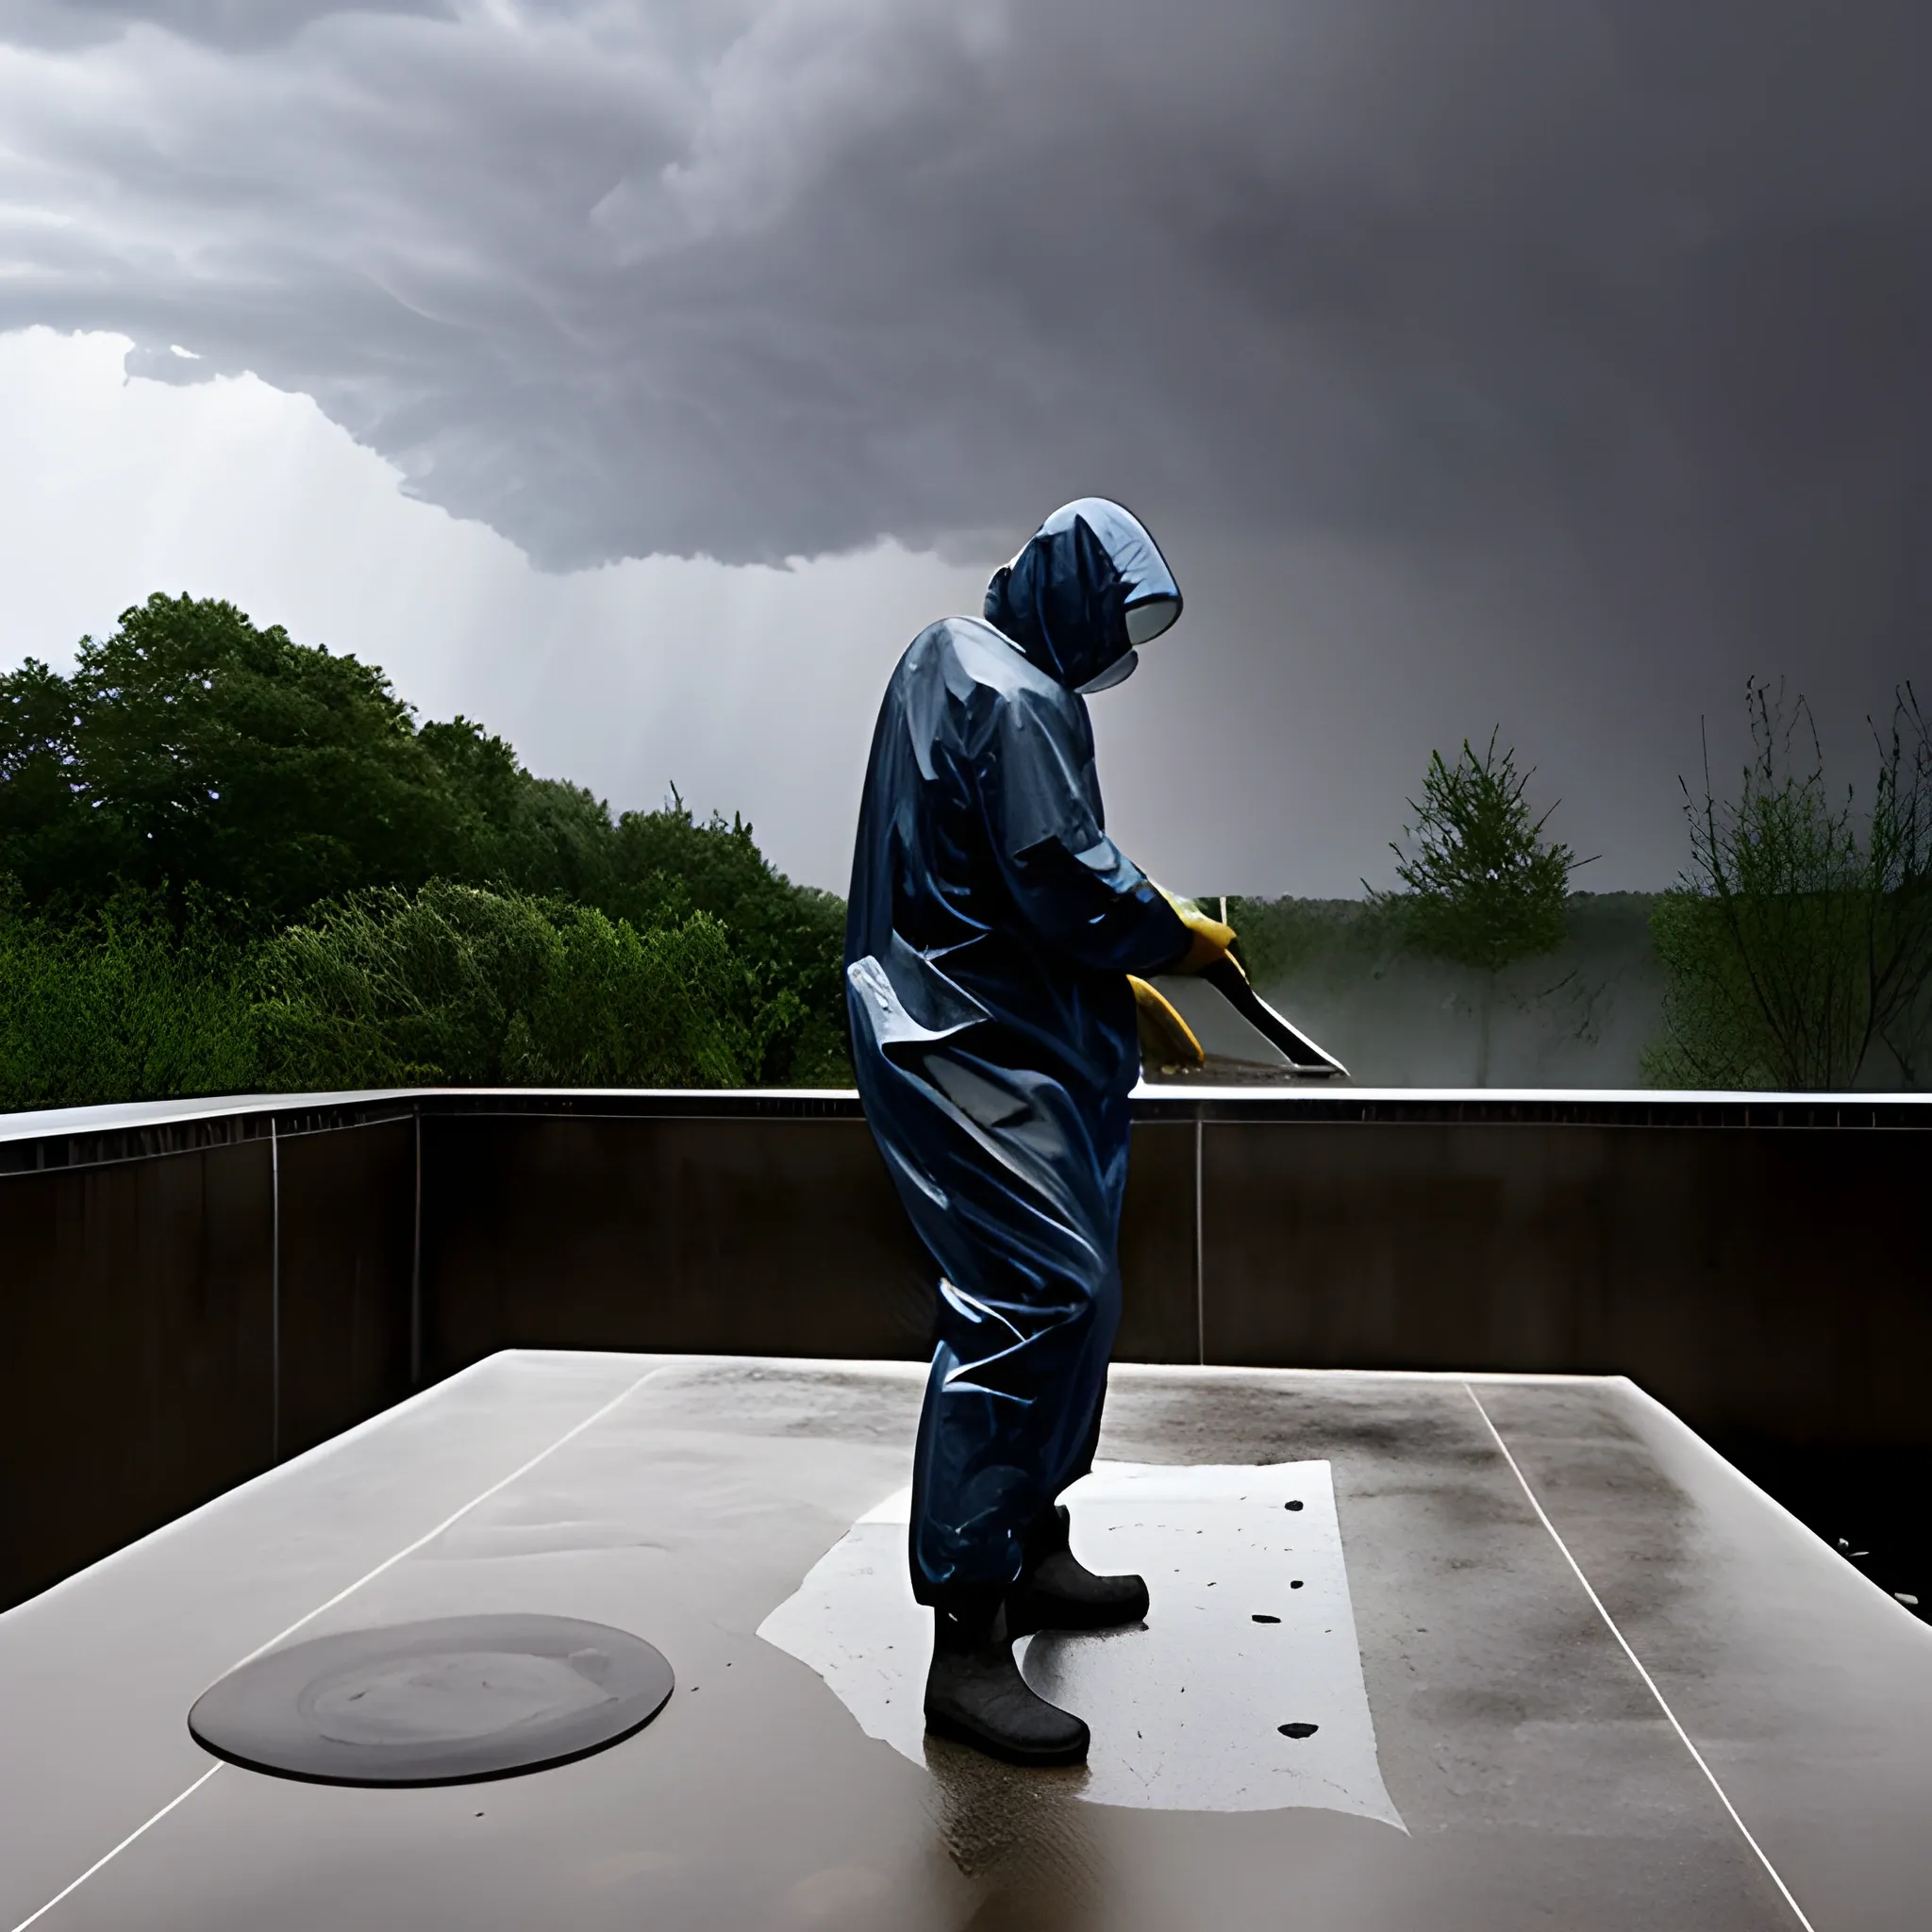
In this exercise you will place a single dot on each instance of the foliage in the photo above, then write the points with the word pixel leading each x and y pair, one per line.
pixel 538 835
pixel 1282 938
pixel 463 986
pixel 1484 888
pixel 191 749
pixel 450 985
pixel 49 837
pixel 667 865
pixel 1800 937
pixel 121 1003
pixel 196 756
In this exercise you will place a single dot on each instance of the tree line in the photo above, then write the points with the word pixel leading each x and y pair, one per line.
pixel 230 861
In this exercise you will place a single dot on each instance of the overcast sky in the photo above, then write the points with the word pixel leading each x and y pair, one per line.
pixel 639 377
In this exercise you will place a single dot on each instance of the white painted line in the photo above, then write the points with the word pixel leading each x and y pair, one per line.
pixel 74 1884
pixel 455 1516
pixel 275 1472
pixel 1636 1663
pixel 388 1563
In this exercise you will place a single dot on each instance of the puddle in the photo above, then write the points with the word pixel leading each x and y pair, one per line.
pixel 1185 1713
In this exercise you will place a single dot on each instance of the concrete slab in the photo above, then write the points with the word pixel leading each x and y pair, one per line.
pixel 1607 1682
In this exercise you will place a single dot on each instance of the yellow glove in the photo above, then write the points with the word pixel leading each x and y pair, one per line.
pixel 1166 1039
pixel 1212 937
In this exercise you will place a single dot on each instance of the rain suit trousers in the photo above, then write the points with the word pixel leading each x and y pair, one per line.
pixel 1015 1187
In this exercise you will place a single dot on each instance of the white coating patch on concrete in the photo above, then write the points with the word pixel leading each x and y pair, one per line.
pixel 1185 1712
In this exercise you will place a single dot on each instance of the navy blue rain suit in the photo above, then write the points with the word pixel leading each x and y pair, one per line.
pixel 993 924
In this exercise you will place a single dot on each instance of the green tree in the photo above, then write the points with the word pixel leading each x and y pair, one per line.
pixel 194 756
pixel 539 835
pixel 667 864
pixel 1799 940
pixel 53 838
pixel 198 750
pixel 1484 888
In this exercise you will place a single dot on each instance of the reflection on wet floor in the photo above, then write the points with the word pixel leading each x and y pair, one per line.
pixel 1023 1837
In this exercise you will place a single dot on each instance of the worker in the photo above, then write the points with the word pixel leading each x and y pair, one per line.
pixel 991 929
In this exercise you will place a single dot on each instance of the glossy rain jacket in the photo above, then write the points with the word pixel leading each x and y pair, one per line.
pixel 993 924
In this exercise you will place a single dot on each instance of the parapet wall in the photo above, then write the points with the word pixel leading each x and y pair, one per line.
pixel 196 1291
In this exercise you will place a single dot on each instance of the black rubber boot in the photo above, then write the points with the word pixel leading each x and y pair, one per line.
pixel 1057 1591
pixel 976 1694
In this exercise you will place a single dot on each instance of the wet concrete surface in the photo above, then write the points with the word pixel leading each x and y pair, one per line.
pixel 1540 1779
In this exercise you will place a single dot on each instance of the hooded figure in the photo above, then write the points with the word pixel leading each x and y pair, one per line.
pixel 992 928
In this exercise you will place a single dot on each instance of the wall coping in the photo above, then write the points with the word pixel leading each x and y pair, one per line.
pixel 65 1138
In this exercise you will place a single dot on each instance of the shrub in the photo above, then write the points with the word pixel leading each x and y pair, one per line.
pixel 122 1004
pixel 1282 938
pixel 459 985
pixel 1800 937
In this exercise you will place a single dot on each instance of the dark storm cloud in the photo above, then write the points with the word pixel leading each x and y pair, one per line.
pixel 1618 307
pixel 779 279
pixel 220 22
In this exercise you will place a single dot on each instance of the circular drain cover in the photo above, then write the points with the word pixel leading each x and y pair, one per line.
pixel 438 1703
